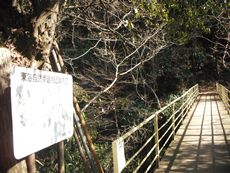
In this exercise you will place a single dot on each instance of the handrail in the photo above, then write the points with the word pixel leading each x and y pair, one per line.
pixel 160 137
pixel 224 94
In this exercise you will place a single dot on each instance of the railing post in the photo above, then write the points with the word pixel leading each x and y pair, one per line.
pixel 119 161
pixel 193 92
pixel 226 98
pixel 197 90
pixel 187 100
pixel 183 107
pixel 228 101
pixel 223 95
pixel 173 120
pixel 156 140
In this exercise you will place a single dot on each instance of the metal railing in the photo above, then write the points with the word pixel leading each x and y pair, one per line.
pixel 156 133
pixel 224 94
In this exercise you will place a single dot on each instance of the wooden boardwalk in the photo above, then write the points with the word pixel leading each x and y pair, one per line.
pixel 202 143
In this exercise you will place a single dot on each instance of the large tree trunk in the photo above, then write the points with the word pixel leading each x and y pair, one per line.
pixel 6 141
pixel 7 159
pixel 44 24
pixel 32 31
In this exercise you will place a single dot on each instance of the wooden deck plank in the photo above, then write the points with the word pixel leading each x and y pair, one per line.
pixel 202 144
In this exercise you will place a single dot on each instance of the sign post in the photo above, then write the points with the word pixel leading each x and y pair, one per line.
pixel 119 160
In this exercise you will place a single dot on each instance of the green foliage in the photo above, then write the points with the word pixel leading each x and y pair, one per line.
pixel 73 161
pixel 150 12
pixel 80 93
pixel 47 160
pixel 192 17
pixel 183 18
pixel 105 154
pixel 132 112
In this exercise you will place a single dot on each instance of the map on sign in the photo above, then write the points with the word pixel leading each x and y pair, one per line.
pixel 42 109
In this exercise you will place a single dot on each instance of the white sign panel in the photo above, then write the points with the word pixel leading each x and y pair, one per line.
pixel 119 157
pixel 42 109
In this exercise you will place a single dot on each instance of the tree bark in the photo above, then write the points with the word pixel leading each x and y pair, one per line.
pixel 44 25
pixel 61 157
pixel 32 32
pixel 6 142
pixel 7 159
pixel 40 38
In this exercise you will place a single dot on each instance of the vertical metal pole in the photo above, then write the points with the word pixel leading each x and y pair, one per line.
pixel 183 108
pixel 226 98
pixel 156 140
pixel 84 142
pixel 173 120
pixel 223 95
pixel 61 157
pixel 228 102
pixel 115 157
pixel 81 151
pixel 87 135
pixel 119 161
pixel 197 90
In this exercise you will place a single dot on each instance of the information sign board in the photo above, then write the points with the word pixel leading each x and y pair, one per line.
pixel 42 109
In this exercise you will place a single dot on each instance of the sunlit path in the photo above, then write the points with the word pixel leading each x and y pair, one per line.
pixel 202 142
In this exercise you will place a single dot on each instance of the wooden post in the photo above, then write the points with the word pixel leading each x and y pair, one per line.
pixel 30 162
pixel 156 140
pixel 61 158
